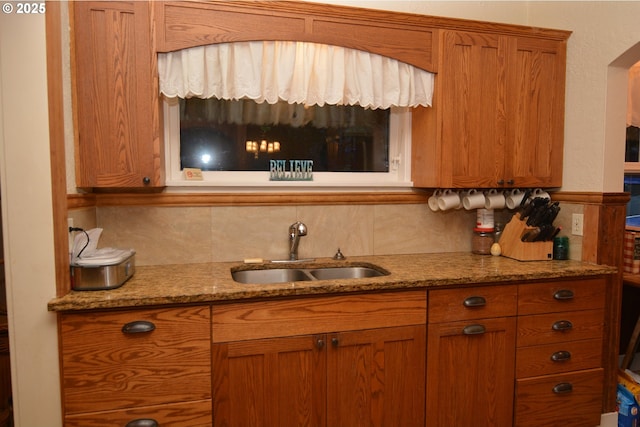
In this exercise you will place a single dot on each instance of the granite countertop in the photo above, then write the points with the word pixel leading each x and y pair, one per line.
pixel 211 282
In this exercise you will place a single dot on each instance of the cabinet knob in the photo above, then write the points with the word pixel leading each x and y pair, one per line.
pixel 143 422
pixel 335 342
pixel 475 301
pixel 500 182
pixel 563 295
pixel 320 343
pixel 474 330
pixel 511 182
pixel 562 325
pixel 561 356
pixel 146 180
pixel 563 388
pixel 138 327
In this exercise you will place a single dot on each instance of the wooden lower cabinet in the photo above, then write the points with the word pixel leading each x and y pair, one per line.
pixel 470 373
pixel 193 414
pixel 356 378
pixel 559 374
pixel 470 356
pixel 515 354
pixel 571 399
pixel 270 382
pixel 148 364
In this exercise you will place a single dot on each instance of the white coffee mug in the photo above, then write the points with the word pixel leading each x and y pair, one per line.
pixel 473 200
pixel 433 200
pixel 449 199
pixel 494 199
pixel 514 198
pixel 539 192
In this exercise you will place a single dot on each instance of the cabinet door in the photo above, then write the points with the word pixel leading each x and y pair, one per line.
pixel 161 357
pixel 571 399
pixel 117 102
pixel 377 377
pixel 473 109
pixel 186 414
pixel 535 135
pixel 270 382
pixel 470 373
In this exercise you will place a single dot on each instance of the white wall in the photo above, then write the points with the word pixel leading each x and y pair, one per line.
pixel 25 175
pixel 602 32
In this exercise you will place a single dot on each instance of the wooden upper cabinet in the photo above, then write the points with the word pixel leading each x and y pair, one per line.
pixel 406 37
pixel 116 96
pixel 535 125
pixel 497 119
pixel 498 110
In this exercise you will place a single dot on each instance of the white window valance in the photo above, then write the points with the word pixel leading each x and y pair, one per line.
pixel 295 72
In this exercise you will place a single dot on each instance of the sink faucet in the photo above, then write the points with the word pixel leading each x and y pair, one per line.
pixel 296 230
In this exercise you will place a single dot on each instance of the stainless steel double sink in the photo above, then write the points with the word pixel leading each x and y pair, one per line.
pixel 296 274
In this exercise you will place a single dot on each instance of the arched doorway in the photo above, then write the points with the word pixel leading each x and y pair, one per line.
pixel 618 117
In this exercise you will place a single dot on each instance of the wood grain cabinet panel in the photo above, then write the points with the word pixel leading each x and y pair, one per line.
pixel 376 377
pixel 560 327
pixel 559 353
pixel 571 399
pixel 304 316
pixel 470 373
pixel 369 377
pixel 270 382
pixel 498 114
pixel 356 360
pixel 477 302
pixel 137 358
pixel 470 356
pixel 189 414
pixel 535 103
pixel 555 358
pixel 561 296
pixel 117 105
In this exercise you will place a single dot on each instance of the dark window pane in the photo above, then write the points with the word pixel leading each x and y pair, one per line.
pixel 215 135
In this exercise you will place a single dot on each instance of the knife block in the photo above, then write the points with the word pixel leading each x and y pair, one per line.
pixel 512 247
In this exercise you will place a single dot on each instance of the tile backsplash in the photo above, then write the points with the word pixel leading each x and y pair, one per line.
pixel 177 235
pixel 170 235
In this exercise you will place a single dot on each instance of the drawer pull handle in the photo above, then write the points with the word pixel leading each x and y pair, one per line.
pixel 143 422
pixel 475 302
pixel 563 295
pixel 562 325
pixel 561 356
pixel 474 330
pixel 563 388
pixel 138 327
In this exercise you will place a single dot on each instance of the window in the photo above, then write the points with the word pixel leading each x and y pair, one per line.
pixel 349 145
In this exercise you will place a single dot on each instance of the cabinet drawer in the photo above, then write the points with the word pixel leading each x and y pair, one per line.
pixel 481 302
pixel 190 414
pixel 566 400
pixel 585 294
pixel 268 319
pixel 559 327
pixel 105 368
pixel 558 357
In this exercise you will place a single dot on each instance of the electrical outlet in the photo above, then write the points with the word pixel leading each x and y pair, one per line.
pixel 576 224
